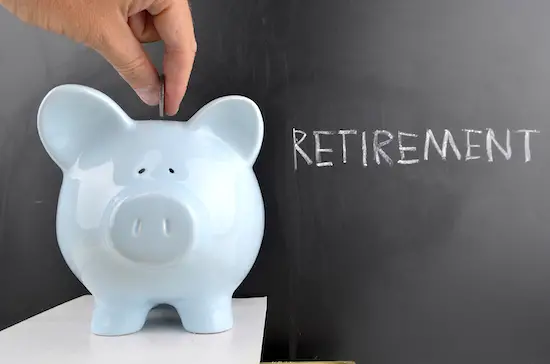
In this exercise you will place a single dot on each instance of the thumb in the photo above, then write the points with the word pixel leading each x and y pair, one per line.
pixel 124 52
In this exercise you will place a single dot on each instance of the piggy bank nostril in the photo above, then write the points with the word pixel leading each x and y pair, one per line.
pixel 166 227
pixel 136 228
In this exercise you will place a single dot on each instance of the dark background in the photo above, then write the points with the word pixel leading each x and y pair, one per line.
pixel 439 262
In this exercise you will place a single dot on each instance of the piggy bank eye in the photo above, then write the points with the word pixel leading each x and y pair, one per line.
pixel 141 171
pixel 171 170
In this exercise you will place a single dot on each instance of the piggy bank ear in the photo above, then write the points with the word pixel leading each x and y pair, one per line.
pixel 237 121
pixel 72 118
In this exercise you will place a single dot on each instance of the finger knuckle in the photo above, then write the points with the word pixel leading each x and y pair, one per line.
pixel 194 46
pixel 93 34
pixel 132 66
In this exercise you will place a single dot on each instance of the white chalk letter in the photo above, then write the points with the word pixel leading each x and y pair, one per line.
pixel 527 143
pixel 469 145
pixel 492 140
pixel 447 139
pixel 318 150
pixel 403 149
pixel 364 147
pixel 377 146
pixel 343 133
pixel 298 149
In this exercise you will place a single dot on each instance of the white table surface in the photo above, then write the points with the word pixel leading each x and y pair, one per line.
pixel 62 335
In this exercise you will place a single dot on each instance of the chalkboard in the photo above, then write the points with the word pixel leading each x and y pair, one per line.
pixel 424 240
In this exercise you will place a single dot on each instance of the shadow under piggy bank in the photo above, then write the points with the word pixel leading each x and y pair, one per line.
pixel 155 211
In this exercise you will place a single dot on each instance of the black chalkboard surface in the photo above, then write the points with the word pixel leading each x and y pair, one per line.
pixel 404 171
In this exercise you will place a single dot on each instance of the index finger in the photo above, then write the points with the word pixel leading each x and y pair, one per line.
pixel 174 24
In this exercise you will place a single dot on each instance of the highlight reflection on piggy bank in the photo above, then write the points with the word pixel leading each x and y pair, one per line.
pixel 155 212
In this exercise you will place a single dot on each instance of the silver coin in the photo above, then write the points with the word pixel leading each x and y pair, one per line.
pixel 161 99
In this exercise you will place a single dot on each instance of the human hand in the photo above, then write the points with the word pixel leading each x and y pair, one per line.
pixel 116 29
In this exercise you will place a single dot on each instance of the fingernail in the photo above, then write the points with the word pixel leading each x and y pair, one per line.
pixel 174 112
pixel 148 95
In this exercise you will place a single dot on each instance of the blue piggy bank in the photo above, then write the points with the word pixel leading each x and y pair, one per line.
pixel 155 212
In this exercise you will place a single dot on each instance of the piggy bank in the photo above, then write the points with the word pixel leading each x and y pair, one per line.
pixel 155 212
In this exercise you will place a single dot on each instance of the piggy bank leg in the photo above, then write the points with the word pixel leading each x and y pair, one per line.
pixel 117 318
pixel 206 315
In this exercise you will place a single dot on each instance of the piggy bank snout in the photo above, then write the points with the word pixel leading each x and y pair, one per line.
pixel 152 229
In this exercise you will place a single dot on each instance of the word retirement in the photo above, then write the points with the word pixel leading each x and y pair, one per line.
pixel 379 146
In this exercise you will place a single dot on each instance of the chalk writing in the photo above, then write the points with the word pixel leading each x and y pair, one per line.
pixel 297 148
pixel 469 145
pixel 527 143
pixel 364 147
pixel 344 148
pixel 447 138
pixel 377 146
pixel 319 150
pixel 492 140
pixel 403 149
pixel 383 142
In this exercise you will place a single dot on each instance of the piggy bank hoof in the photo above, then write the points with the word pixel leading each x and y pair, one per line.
pixel 151 229
pixel 114 320
pixel 206 316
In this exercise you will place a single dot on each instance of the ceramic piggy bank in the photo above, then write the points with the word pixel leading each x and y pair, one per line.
pixel 155 212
